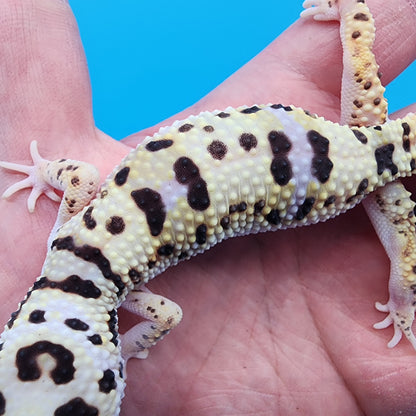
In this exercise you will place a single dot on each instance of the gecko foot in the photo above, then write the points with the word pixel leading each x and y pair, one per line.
pixel 34 180
pixel 401 321
pixel 161 316
pixel 320 10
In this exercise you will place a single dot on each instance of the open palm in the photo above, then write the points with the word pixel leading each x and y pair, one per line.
pixel 277 323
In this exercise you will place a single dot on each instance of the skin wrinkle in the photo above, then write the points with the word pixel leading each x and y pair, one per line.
pixel 336 367
pixel 306 292
pixel 412 4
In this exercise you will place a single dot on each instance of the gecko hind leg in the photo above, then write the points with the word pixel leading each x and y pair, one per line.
pixel 160 314
pixel 392 213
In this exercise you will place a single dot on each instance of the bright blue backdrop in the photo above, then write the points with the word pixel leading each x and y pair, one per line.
pixel 141 73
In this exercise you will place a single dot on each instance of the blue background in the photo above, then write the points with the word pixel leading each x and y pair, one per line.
pixel 141 73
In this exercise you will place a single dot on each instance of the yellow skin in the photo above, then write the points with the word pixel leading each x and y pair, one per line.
pixel 285 314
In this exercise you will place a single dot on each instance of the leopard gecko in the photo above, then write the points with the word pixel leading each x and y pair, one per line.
pixel 212 176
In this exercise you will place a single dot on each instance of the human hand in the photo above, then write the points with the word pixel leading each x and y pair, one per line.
pixel 277 323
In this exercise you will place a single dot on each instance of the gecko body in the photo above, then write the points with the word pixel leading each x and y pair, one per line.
pixel 190 186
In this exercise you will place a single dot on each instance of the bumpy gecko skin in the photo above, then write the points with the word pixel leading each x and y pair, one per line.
pixel 190 186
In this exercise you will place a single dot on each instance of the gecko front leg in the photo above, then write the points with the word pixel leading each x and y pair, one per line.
pixel 77 180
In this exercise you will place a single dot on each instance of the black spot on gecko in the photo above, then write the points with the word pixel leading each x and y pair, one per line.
pixel 280 167
pixel 360 136
pixel 406 140
pixel 72 284
pixel 273 217
pixel 217 149
pixel 201 234
pixel 76 324
pixel 406 129
pixel 121 176
pixel 65 243
pixel 113 326
pixel 37 316
pixel 250 110
pixel 92 255
pixel 321 164
pixel 185 170
pixel 28 369
pixel 95 256
pixel 95 339
pixel 70 202
pixel 363 185
pixel 115 225
pixel 183 255
pixel 13 317
pixel 223 115
pixel 107 382
pixel 135 276
pixel 198 197
pixel 258 207
pixel 413 164
pixel 152 204
pixel 165 250
pixel 356 34
pixel 305 208
pixel 284 107
pixel 75 181
pixel 75 407
pixel 89 221
pixel 185 127
pixel 384 159
pixel 358 103
pixel 225 223
pixel 2 404
pixel 151 264
pixel 310 114
pixel 58 174
pixel 187 173
pixel 208 129
pixel 241 207
pixel 361 17
pixel 157 145
pixel 377 128
pixel 330 200
pixel 248 141
pixel 368 85
pixel 15 314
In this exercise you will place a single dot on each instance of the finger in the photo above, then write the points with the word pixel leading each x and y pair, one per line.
pixel 44 76
pixel 403 111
